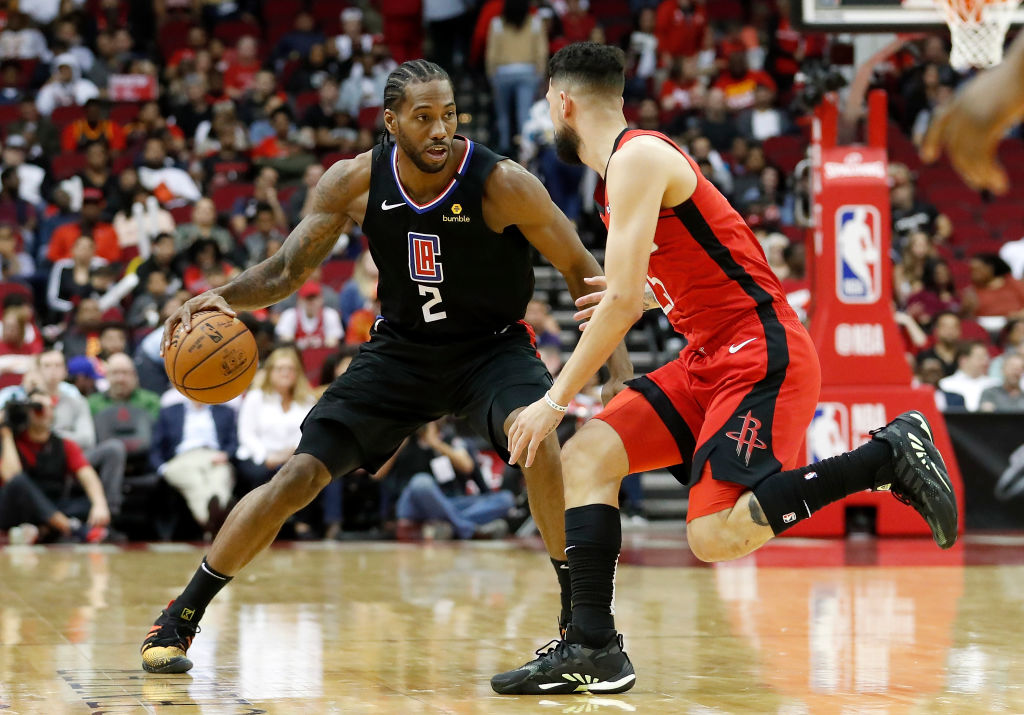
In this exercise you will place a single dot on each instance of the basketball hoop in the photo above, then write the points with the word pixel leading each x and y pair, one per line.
pixel 978 30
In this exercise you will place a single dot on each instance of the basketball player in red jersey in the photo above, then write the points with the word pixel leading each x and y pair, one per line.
pixel 732 410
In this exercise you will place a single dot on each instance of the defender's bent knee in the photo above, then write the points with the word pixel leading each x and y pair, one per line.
pixel 711 539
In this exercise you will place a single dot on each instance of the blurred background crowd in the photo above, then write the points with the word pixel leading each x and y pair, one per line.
pixel 153 150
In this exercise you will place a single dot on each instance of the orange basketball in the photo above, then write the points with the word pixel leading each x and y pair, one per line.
pixel 215 361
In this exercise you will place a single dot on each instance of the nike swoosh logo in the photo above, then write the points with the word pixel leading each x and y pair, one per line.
pixel 385 206
pixel 736 348
pixel 548 686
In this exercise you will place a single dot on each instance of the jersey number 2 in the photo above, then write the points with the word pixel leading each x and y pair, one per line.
pixel 424 267
pixel 435 300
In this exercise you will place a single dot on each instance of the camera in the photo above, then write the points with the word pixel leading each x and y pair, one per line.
pixel 17 415
pixel 819 79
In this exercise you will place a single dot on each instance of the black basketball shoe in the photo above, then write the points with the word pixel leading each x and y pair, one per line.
pixel 163 650
pixel 567 667
pixel 918 475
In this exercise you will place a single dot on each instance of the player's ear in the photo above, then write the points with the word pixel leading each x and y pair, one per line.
pixel 566 104
pixel 390 122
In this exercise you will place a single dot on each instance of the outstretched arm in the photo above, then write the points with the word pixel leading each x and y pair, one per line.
pixel 630 238
pixel 520 199
pixel 306 247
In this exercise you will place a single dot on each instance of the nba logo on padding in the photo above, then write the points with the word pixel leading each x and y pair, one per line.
pixel 424 250
pixel 858 254
pixel 829 433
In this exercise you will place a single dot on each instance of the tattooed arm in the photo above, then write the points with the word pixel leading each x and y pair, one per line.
pixel 340 195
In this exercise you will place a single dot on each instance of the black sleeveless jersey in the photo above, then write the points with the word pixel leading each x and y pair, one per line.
pixel 444 275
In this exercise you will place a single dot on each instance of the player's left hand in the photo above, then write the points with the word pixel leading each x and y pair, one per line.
pixel 587 304
pixel 529 430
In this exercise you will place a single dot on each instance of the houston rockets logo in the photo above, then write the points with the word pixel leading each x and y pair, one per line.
pixel 858 254
pixel 747 436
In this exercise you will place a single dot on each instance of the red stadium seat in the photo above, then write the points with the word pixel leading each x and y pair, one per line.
pixel 968 234
pixel 63 116
pixel 9 379
pixel 327 11
pixel 9 113
pixel 329 159
pixel 224 198
pixel 959 214
pixel 7 288
pixel 1003 213
pixel 334 273
pixel 369 117
pixel 305 100
pixel 232 31
pixel 172 37
pixel 124 113
pixel 66 165
pixel 181 214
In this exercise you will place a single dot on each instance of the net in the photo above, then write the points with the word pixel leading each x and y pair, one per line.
pixel 978 30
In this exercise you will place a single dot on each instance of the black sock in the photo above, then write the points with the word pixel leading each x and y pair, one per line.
pixel 593 537
pixel 205 584
pixel 786 498
pixel 565 584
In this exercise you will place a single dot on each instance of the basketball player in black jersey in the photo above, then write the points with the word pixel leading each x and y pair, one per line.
pixel 450 227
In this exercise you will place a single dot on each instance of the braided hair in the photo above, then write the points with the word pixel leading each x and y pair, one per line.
pixel 410 72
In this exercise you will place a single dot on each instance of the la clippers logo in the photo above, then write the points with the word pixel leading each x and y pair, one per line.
pixel 829 432
pixel 858 254
pixel 747 436
pixel 424 250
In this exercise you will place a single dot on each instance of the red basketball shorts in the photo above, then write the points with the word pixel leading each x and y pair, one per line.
pixel 723 417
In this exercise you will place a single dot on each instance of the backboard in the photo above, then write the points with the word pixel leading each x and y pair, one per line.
pixel 874 15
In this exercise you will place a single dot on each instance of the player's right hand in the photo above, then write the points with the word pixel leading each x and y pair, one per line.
pixel 204 301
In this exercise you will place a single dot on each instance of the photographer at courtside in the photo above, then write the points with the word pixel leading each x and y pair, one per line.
pixel 47 481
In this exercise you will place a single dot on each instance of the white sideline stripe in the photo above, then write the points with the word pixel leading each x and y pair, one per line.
pixel 611 684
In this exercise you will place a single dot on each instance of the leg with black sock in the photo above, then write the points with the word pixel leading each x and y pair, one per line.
pixel 565 588
pixel 787 498
pixel 205 584
pixel 593 538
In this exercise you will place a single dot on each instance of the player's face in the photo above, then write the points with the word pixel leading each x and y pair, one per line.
pixel 567 140
pixel 425 123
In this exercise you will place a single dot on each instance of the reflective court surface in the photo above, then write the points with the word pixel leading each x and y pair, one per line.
pixel 892 626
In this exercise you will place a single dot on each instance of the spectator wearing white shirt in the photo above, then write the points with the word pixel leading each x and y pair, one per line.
pixel 270 419
pixel 763 120
pixel 192 447
pixel 310 325
pixel 66 87
pixel 21 41
pixel 971 377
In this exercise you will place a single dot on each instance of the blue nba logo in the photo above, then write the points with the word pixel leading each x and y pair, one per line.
pixel 829 432
pixel 858 254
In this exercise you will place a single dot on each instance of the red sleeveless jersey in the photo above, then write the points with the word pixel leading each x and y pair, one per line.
pixel 707 269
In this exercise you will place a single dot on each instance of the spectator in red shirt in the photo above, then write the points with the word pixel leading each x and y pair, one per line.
pixel 740 82
pixel 993 290
pixel 19 340
pixel 92 128
pixel 679 28
pixel 195 41
pixel 241 71
pixel 54 485
pixel 103 233
pixel 278 144
pixel 577 23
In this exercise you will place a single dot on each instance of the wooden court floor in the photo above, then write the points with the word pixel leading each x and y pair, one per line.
pixel 801 627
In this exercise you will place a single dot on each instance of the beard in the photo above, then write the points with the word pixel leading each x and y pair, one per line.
pixel 567 145
pixel 416 155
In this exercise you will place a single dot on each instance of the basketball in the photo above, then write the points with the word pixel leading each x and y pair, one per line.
pixel 215 361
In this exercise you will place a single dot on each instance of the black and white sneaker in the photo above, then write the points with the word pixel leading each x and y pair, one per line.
pixel 567 667
pixel 918 475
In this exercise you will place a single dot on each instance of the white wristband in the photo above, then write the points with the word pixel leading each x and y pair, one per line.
pixel 554 405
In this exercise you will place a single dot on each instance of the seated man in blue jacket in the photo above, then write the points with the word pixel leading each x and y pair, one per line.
pixel 192 448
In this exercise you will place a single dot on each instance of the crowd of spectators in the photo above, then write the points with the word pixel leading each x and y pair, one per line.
pixel 151 151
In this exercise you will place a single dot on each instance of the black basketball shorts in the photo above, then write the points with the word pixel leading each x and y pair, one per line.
pixel 394 386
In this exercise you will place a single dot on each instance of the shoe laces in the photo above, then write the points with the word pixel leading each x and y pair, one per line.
pixel 553 650
pixel 174 634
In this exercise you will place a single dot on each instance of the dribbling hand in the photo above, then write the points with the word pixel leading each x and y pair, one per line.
pixel 183 315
